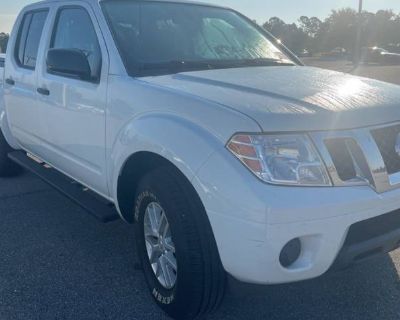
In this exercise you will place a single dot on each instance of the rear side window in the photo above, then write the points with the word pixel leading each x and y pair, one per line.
pixel 28 39
pixel 74 30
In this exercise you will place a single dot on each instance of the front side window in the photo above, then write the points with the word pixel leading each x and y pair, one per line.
pixel 29 37
pixel 156 37
pixel 74 30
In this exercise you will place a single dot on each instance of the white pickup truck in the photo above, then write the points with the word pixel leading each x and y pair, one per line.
pixel 231 158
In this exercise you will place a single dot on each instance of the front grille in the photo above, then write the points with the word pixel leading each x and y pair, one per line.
pixel 373 228
pixel 342 159
pixel 363 156
pixel 386 139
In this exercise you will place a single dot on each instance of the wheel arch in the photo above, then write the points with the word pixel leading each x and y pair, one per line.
pixel 134 169
pixel 151 141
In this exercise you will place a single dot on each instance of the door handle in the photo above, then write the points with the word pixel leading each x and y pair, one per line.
pixel 43 91
pixel 10 82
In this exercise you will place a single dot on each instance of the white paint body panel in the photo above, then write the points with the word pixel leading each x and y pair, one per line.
pixel 89 131
pixel 75 144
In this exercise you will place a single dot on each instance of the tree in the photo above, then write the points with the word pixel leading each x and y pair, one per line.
pixel 339 30
pixel 310 26
pixel 314 29
pixel 383 28
pixel 292 36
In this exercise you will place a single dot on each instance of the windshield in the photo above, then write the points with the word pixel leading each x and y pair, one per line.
pixel 160 38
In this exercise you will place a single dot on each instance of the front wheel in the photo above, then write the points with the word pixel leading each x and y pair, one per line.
pixel 176 246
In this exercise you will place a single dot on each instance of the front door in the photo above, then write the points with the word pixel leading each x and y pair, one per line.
pixel 75 109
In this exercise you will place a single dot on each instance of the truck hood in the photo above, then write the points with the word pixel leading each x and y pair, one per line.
pixel 292 98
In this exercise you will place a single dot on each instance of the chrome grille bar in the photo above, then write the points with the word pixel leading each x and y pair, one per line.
pixel 371 166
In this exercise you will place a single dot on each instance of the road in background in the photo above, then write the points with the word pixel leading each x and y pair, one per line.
pixel 384 73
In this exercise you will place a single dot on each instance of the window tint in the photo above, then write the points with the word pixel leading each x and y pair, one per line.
pixel 74 30
pixel 29 38
pixel 20 48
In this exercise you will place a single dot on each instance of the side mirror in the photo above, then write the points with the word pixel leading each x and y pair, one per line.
pixel 69 62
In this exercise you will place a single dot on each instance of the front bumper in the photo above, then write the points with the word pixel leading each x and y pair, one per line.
pixel 253 221
pixel 370 238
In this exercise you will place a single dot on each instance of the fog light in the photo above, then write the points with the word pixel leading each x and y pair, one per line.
pixel 290 253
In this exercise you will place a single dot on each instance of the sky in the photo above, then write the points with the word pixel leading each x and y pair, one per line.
pixel 260 10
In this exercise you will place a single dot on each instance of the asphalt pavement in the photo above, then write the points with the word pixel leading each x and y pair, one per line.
pixel 389 73
pixel 58 262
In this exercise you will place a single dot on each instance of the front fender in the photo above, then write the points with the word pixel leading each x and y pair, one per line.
pixel 178 140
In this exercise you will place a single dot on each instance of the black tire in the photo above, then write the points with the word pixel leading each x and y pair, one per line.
pixel 8 168
pixel 200 284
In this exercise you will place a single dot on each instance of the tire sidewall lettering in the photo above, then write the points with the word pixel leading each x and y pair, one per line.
pixel 139 203
pixel 162 298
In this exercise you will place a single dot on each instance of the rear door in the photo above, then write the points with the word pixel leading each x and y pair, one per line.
pixel 75 109
pixel 20 94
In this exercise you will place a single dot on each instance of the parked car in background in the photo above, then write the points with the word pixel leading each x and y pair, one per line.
pixel 395 48
pixel 230 158
pixel 337 53
pixel 390 58
pixel 379 56
pixel 304 53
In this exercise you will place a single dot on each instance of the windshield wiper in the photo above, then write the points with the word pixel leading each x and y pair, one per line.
pixel 267 62
pixel 175 66
pixel 178 65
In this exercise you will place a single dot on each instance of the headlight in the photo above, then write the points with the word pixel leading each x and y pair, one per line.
pixel 281 159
